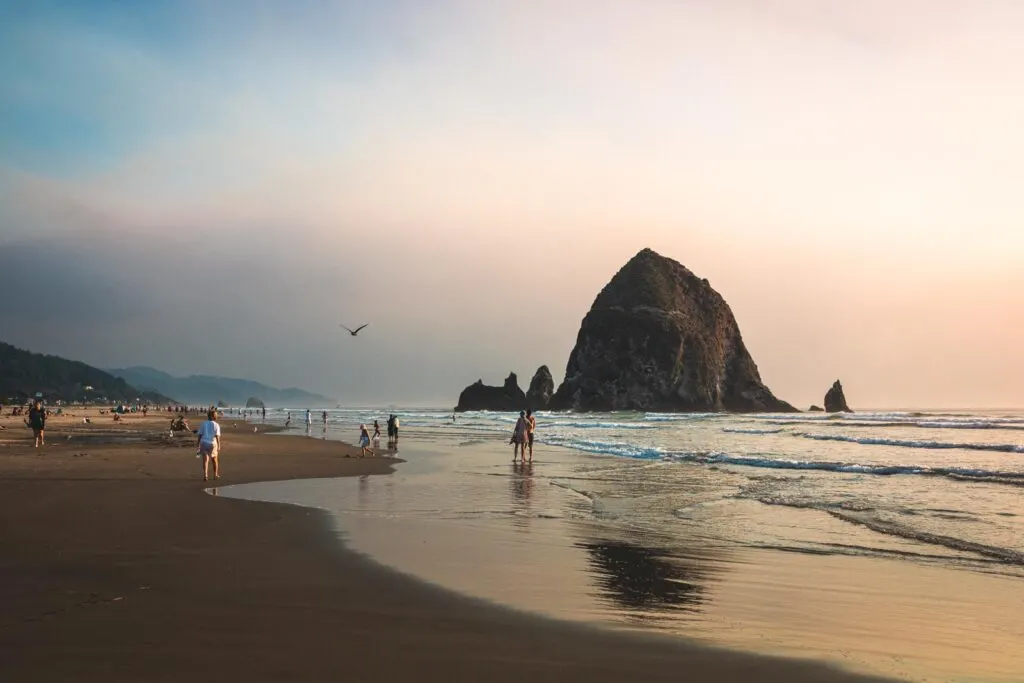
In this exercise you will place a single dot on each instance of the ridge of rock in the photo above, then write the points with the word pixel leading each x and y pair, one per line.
pixel 658 338
pixel 479 396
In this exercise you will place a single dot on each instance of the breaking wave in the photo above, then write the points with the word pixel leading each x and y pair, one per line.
pixel 930 445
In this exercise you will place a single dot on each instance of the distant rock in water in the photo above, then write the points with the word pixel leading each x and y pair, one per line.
pixel 542 388
pixel 815 409
pixel 479 396
pixel 659 338
pixel 835 400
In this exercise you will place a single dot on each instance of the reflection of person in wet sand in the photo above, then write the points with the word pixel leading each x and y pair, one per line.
pixel 521 485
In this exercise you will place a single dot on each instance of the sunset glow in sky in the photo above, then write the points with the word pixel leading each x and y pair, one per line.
pixel 212 187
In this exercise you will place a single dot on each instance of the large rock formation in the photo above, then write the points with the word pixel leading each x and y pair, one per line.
pixel 479 396
pixel 660 338
pixel 542 388
pixel 835 400
pixel 816 409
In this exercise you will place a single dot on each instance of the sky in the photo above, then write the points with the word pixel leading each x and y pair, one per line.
pixel 214 187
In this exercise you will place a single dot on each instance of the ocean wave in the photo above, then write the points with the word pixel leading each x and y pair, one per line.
pixel 679 417
pixel 960 473
pixel 924 424
pixel 928 445
pixel 606 447
pixel 865 516
pixel 741 430
pixel 594 425
pixel 998 553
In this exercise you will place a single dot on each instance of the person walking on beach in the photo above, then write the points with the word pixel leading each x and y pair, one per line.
pixel 324 417
pixel 288 419
pixel 391 430
pixel 376 434
pixel 364 442
pixel 531 425
pixel 396 431
pixel 208 441
pixel 37 421
pixel 519 437
pixel 264 411
pixel 309 419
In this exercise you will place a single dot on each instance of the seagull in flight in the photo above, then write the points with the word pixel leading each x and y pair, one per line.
pixel 355 331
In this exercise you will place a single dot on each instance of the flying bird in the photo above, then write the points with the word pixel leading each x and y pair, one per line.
pixel 355 331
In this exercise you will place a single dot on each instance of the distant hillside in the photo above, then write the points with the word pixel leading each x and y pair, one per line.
pixel 23 374
pixel 207 389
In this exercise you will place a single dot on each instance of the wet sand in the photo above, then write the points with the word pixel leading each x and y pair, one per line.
pixel 118 566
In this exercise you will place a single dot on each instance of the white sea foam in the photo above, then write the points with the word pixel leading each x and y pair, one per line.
pixel 742 430
pixel 605 447
pixel 931 445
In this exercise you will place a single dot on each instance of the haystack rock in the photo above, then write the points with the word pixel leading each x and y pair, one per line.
pixel 479 396
pixel 659 338
pixel 835 400
pixel 542 388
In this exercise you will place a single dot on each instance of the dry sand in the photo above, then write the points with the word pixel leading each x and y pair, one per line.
pixel 117 566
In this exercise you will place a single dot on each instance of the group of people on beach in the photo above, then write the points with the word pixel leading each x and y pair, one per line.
pixel 522 435
pixel 365 438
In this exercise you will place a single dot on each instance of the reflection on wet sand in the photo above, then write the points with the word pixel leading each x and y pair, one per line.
pixel 640 578
pixel 521 486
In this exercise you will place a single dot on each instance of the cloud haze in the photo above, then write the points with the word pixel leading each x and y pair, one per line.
pixel 213 187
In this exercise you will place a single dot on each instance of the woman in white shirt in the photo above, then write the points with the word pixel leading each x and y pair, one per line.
pixel 209 444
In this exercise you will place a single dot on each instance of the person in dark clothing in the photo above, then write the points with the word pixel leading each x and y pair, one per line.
pixel 37 421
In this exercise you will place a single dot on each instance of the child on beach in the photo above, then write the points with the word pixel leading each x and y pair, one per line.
pixel 208 442
pixel 364 441
pixel 376 434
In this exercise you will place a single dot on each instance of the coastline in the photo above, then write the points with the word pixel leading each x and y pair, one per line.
pixel 119 566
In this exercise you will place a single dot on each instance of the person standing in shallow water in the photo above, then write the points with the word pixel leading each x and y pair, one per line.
pixel 376 434
pixel 531 425
pixel 37 421
pixel 519 437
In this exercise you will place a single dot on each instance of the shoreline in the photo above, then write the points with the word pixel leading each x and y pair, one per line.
pixel 119 566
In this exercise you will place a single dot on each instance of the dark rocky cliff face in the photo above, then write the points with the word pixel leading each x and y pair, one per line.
pixel 835 400
pixel 479 396
pixel 542 388
pixel 659 338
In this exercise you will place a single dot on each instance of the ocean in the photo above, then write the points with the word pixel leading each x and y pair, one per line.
pixel 890 542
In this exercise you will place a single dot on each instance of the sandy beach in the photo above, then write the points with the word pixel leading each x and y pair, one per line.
pixel 119 566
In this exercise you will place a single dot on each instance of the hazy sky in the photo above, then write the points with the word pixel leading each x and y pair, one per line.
pixel 213 187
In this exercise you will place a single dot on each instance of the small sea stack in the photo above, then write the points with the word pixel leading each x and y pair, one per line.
pixel 835 400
